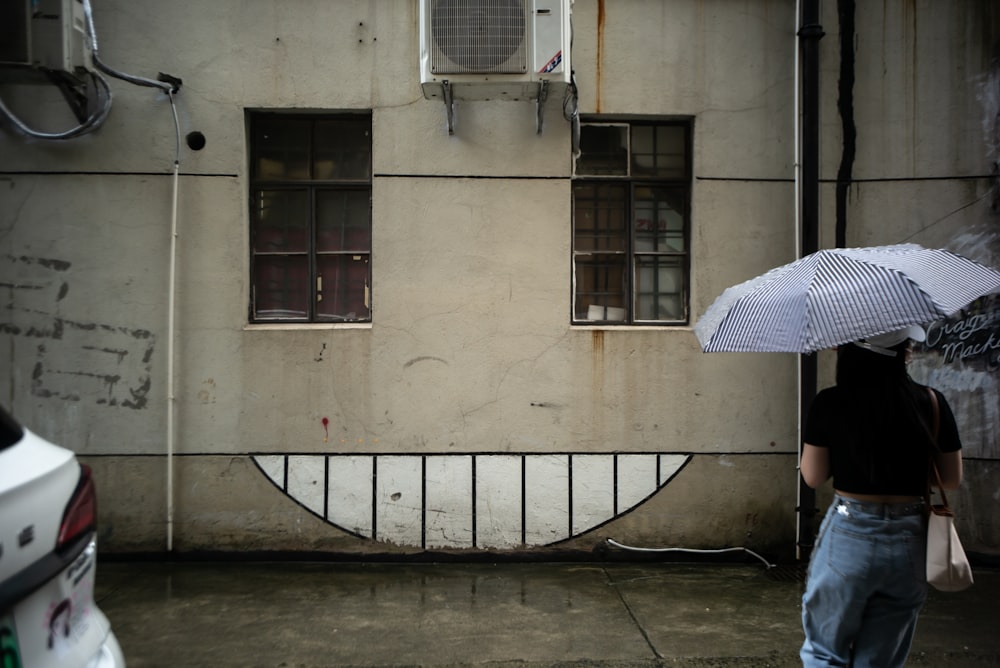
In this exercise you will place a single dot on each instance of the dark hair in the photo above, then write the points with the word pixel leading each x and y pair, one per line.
pixel 861 368
pixel 885 403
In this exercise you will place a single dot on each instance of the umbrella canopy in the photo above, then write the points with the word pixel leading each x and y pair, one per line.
pixel 838 295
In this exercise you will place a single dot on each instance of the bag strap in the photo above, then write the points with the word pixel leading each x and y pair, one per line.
pixel 935 428
pixel 936 425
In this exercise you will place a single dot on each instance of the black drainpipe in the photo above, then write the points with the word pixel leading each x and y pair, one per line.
pixel 810 32
pixel 845 105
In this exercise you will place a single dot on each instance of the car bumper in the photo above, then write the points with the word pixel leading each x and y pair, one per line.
pixel 109 655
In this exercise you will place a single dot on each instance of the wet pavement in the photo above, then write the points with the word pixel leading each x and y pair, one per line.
pixel 306 615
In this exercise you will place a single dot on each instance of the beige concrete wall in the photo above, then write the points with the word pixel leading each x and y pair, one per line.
pixel 471 348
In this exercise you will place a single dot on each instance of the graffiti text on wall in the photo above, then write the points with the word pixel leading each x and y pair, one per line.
pixel 972 337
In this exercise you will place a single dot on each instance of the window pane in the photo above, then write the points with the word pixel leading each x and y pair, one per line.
pixel 658 218
pixel 600 287
pixel 281 287
pixel 659 151
pixel 599 215
pixel 342 287
pixel 342 220
pixel 660 288
pixel 282 148
pixel 343 149
pixel 603 150
pixel 310 217
pixel 280 221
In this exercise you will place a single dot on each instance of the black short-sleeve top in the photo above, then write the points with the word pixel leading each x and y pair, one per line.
pixel 897 465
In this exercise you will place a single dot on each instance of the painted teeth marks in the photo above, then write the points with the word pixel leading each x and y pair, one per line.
pixel 474 500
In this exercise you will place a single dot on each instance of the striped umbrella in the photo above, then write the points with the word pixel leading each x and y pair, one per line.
pixel 839 295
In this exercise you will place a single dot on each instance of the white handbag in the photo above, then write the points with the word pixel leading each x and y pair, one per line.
pixel 947 566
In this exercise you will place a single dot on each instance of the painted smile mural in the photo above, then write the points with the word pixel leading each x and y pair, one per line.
pixel 472 500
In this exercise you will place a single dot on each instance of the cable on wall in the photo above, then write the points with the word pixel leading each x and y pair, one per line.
pixel 93 106
pixel 96 108
pixel 571 102
pixel 571 112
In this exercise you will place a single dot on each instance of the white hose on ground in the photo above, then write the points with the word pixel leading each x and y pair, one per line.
pixel 691 550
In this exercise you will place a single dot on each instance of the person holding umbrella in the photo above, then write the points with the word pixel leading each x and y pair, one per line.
pixel 873 434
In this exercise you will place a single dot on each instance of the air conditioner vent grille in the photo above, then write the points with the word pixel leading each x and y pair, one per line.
pixel 484 36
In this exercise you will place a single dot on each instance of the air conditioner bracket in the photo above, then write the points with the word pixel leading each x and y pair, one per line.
pixel 449 105
pixel 543 93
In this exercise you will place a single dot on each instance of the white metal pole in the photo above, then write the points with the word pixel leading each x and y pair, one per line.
pixel 797 143
pixel 171 299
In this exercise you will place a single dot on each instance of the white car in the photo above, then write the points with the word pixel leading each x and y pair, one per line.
pixel 48 557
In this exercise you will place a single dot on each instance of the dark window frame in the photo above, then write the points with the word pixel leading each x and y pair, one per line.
pixel 601 171
pixel 316 191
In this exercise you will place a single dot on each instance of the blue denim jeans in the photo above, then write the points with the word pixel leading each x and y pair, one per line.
pixel 866 584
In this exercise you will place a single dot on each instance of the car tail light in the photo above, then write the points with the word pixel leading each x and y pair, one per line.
pixel 81 511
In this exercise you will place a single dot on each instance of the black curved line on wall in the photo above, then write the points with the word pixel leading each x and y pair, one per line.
pixel 617 513
pixel 845 106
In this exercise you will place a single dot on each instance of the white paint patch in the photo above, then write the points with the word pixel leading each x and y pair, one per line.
pixel 398 501
pixel 670 465
pixel 638 478
pixel 349 493
pixel 593 491
pixel 306 482
pixel 448 507
pixel 498 501
pixel 477 501
pixel 273 467
pixel 546 499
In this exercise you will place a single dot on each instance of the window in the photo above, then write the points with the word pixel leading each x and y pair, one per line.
pixel 631 189
pixel 310 217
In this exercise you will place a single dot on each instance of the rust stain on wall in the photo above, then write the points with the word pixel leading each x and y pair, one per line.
pixel 597 337
pixel 600 52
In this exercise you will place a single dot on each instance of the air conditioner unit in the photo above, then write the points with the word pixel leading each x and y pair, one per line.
pixel 494 49
pixel 42 35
